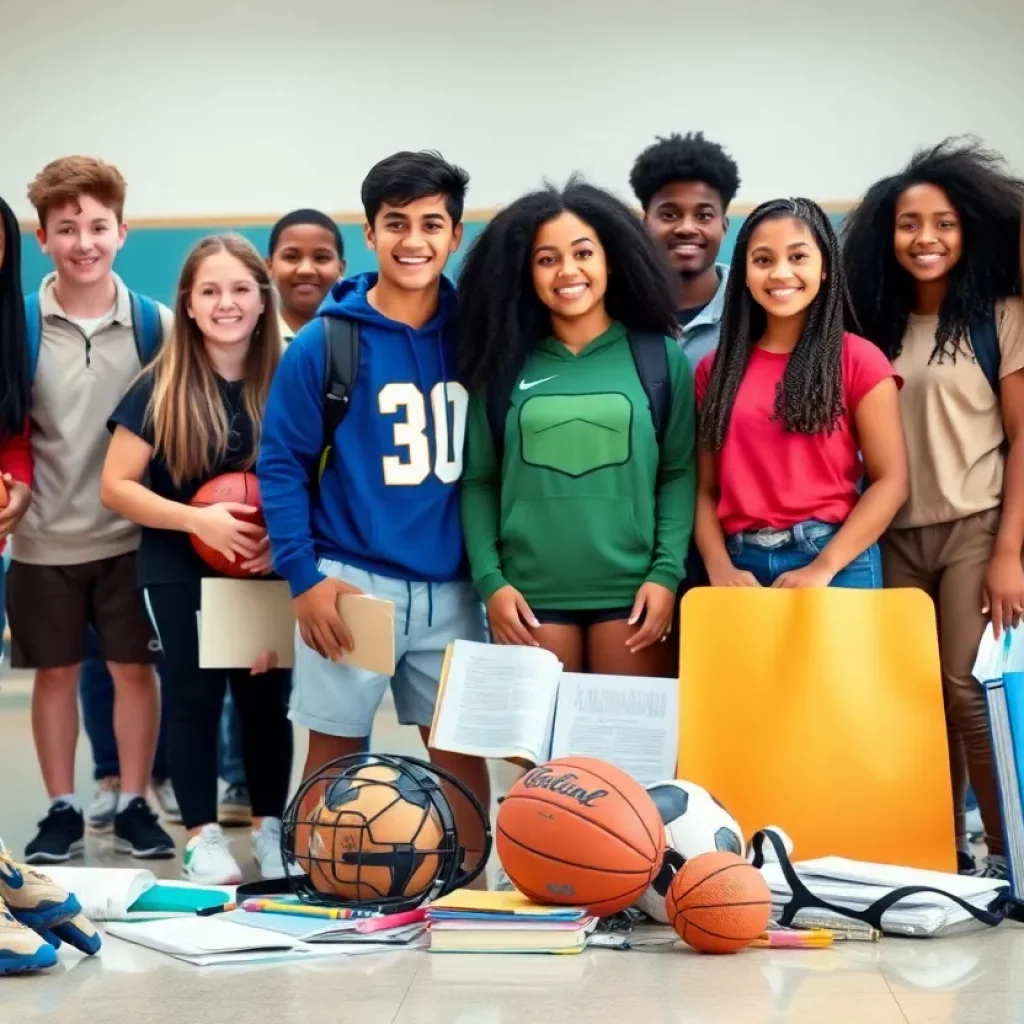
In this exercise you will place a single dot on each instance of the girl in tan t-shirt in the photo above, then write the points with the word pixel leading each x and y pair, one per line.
pixel 934 263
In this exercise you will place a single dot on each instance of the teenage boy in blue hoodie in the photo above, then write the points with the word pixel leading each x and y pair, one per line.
pixel 383 518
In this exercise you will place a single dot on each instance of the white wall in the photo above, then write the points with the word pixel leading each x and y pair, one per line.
pixel 253 107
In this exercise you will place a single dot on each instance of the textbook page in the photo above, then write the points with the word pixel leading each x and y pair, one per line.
pixel 497 701
pixel 629 721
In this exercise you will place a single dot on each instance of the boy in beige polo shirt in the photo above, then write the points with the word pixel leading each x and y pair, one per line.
pixel 73 561
pixel 933 261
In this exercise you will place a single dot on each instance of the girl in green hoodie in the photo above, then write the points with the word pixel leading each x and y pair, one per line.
pixel 579 475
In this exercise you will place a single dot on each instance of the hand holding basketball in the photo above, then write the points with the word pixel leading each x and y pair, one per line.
pixel 264 560
pixel 320 623
pixel 218 527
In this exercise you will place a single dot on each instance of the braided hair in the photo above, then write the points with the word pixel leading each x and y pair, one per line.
pixel 987 199
pixel 501 318
pixel 809 398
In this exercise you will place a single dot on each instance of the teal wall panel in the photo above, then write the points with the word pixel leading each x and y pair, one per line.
pixel 152 257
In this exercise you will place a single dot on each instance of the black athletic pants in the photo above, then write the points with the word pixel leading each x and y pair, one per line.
pixel 193 703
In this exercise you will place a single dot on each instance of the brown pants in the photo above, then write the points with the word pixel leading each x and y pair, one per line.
pixel 948 562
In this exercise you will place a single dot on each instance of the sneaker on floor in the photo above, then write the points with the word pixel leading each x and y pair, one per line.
pixel 994 867
pixel 975 829
pixel 61 836
pixel 102 811
pixel 235 806
pixel 21 949
pixel 138 833
pixel 208 861
pixel 163 793
pixel 502 883
pixel 965 863
pixel 266 850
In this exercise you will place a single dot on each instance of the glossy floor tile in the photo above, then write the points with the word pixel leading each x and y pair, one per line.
pixel 976 979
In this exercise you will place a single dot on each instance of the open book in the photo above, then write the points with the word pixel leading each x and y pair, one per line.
pixel 516 703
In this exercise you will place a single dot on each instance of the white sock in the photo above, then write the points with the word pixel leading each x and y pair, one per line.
pixel 124 799
pixel 66 798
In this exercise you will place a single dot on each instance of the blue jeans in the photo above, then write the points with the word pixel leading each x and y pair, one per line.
pixel 229 749
pixel 96 689
pixel 769 553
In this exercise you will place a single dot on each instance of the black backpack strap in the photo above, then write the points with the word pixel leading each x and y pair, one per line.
pixel 341 365
pixel 802 898
pixel 651 360
pixel 985 342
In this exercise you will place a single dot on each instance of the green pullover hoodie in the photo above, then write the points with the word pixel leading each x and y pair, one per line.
pixel 584 508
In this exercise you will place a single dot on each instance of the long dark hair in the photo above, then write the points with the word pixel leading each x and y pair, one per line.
pixel 987 199
pixel 809 397
pixel 14 382
pixel 501 319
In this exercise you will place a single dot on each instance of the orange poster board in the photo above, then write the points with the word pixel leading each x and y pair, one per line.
pixel 820 711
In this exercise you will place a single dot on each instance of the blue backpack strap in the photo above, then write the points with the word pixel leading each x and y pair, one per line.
pixel 33 332
pixel 985 342
pixel 651 360
pixel 147 326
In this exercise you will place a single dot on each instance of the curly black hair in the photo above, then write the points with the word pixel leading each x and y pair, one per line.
pixel 14 386
pixel 988 199
pixel 687 157
pixel 809 397
pixel 500 316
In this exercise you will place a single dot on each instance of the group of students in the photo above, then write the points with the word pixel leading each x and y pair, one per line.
pixel 599 417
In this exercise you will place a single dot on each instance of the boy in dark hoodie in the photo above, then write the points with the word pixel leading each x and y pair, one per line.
pixel 384 516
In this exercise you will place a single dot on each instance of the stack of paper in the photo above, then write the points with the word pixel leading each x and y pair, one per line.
pixel 859 884
pixel 474 921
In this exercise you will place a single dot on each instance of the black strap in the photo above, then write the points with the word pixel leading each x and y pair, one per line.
pixel 341 364
pixel 802 898
pixel 651 360
pixel 985 342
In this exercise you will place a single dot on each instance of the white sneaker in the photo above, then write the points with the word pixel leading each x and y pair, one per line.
pixel 163 793
pixel 102 811
pixel 208 860
pixel 266 850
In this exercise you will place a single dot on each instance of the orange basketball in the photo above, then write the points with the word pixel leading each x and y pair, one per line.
pixel 718 903
pixel 580 832
pixel 242 488
pixel 370 839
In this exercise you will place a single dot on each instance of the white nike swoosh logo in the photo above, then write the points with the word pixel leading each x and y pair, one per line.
pixel 523 386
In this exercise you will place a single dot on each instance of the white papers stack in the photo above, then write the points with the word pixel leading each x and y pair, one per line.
pixel 858 884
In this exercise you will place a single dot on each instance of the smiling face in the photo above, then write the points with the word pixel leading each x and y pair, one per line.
pixel 927 238
pixel 225 301
pixel 304 266
pixel 82 238
pixel 570 271
pixel 785 266
pixel 413 242
pixel 686 219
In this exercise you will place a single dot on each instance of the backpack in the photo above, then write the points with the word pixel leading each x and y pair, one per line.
pixel 147 328
pixel 984 337
pixel 651 361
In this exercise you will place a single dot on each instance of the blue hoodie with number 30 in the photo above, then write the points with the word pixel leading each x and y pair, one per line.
pixel 388 501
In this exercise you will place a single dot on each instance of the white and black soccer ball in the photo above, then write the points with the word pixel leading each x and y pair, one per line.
pixel 695 823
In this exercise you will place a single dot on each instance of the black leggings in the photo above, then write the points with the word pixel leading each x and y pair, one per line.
pixel 194 702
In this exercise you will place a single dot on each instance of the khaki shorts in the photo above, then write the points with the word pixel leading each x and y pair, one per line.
pixel 51 607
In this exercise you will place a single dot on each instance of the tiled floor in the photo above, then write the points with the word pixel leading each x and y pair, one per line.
pixel 974 980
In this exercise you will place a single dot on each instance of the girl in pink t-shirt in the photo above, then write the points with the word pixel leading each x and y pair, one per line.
pixel 794 413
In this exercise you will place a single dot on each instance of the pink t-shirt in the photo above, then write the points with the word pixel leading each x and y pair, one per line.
pixel 769 477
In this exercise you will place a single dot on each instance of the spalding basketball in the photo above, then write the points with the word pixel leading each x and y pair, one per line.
pixel 242 488
pixel 718 903
pixel 580 832
pixel 372 836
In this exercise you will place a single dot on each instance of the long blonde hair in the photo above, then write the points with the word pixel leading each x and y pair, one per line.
pixel 186 410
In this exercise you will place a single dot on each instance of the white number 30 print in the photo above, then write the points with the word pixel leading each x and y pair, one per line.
pixel 411 433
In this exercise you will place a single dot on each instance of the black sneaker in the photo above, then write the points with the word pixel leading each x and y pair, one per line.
pixel 137 832
pixel 61 836
pixel 965 863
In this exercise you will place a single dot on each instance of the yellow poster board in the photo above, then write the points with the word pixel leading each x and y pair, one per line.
pixel 820 711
